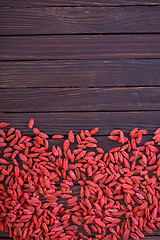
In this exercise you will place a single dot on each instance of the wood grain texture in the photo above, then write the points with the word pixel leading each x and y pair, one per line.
pixel 38 3
pixel 78 81
pixel 5 236
pixel 79 47
pixel 73 20
pixel 84 99
pixel 124 72
pixel 62 123
pixel 154 236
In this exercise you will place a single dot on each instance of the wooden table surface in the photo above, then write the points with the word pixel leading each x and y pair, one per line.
pixel 75 65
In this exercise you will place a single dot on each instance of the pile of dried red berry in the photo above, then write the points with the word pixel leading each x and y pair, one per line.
pixel 118 191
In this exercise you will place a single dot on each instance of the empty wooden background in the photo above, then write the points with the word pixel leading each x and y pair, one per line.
pixel 79 64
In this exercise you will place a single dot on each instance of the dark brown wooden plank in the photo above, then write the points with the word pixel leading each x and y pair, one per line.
pixel 80 99
pixel 154 236
pixel 79 47
pixel 102 141
pixel 124 72
pixel 151 237
pixel 37 3
pixel 75 20
pixel 6 237
pixel 62 123
pixel 106 144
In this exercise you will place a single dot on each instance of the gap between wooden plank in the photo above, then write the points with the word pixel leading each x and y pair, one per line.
pixel 40 3
pixel 79 34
